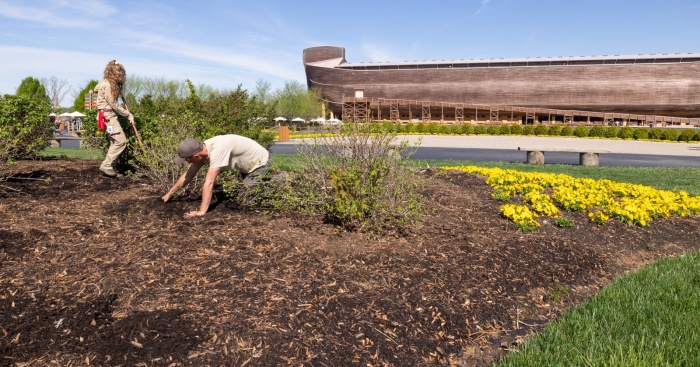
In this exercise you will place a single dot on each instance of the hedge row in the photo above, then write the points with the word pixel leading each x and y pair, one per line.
pixel 611 132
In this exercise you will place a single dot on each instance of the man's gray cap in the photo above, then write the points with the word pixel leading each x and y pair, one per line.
pixel 188 148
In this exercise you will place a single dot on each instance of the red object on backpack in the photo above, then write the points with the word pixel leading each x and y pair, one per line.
pixel 101 120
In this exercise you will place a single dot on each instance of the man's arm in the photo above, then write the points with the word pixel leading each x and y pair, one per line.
pixel 183 180
pixel 207 190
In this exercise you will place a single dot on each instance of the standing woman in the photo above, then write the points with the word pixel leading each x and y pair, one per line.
pixel 108 90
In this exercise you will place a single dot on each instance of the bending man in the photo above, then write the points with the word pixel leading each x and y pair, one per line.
pixel 221 153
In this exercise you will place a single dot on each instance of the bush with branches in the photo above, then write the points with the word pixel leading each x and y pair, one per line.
pixel 554 130
pixel 686 135
pixel 357 179
pixel 25 128
pixel 626 132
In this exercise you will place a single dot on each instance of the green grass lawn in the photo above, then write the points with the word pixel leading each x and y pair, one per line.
pixel 648 318
pixel 663 178
pixel 72 153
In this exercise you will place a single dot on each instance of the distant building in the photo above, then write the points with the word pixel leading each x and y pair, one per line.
pixel 640 89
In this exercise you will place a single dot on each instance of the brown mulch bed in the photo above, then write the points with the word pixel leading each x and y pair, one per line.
pixel 100 272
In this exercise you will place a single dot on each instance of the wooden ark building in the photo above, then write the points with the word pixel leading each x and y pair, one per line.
pixel 641 90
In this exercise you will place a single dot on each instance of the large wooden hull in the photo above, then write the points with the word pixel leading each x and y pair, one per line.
pixel 660 87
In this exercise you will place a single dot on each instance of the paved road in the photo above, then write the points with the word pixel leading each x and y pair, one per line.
pixel 486 148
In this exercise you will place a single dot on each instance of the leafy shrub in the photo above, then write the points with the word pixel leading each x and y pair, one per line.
pixel 504 129
pixel 25 128
pixel 655 133
pixel 626 132
pixel 597 132
pixel 567 131
pixel 641 133
pixel 581 131
pixel 157 161
pixel 389 126
pixel 541 130
pixel 410 128
pixel 670 135
pixel 358 180
pixel 611 132
pixel 686 135
pixel 516 130
pixel 492 130
pixel 696 137
pixel 400 128
pixel 528 130
pixel 433 128
pixel 467 129
pixel 554 130
pixel 445 130
pixel 480 130
pixel 421 128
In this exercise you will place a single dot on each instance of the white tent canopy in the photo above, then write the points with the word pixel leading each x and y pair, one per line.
pixel 77 114
pixel 280 119
pixel 66 114
pixel 298 119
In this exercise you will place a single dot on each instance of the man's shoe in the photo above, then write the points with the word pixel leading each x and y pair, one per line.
pixel 109 172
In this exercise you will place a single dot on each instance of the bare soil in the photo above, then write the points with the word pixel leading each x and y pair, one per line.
pixel 99 272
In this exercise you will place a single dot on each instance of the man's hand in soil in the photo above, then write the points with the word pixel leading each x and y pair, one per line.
pixel 166 197
pixel 193 214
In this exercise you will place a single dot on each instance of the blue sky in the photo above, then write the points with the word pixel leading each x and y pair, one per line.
pixel 224 43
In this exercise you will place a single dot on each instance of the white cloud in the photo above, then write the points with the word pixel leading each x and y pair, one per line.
pixel 58 14
pixel 484 3
pixel 376 52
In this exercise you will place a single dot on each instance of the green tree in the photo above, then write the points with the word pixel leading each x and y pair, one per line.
pixel 294 100
pixel 79 101
pixel 33 89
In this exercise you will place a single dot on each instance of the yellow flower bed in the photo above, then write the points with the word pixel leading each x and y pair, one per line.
pixel 547 193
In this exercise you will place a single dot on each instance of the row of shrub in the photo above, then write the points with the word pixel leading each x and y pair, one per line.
pixel 581 131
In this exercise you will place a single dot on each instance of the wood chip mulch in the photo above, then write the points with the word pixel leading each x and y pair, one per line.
pixel 100 272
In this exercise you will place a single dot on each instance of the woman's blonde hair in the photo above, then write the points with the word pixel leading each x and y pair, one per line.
pixel 116 75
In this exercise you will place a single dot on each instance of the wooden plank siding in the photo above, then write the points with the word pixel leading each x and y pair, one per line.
pixel 653 89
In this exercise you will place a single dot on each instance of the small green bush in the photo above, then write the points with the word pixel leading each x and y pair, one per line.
pixel 597 132
pixel 504 129
pixel 492 130
pixel 581 131
pixel 611 132
pixel 670 135
pixel 541 130
pixel 686 135
pixel 410 128
pixel 433 128
pixel 641 133
pixel 655 133
pixel 358 180
pixel 467 129
pixel 554 130
pixel 516 130
pixel 445 129
pixel 25 128
pixel 567 131
pixel 528 130
pixel 421 128
pixel 480 130
pixel 389 126
pixel 626 133
pixel 696 137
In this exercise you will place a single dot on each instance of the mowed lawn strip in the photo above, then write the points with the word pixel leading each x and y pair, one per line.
pixel 648 318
